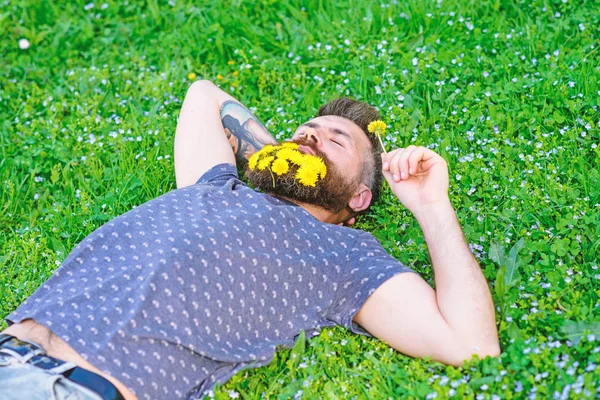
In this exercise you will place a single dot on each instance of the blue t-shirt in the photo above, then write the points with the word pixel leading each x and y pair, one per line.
pixel 201 282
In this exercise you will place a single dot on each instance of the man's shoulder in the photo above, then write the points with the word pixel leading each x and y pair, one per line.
pixel 219 173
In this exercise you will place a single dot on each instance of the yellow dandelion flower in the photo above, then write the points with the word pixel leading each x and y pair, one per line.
pixel 378 128
pixel 265 162
pixel 286 154
pixel 219 76
pixel 322 169
pixel 289 145
pixel 292 155
pixel 307 176
pixel 191 76
pixel 267 148
pixel 253 160
pixel 230 62
pixel 311 162
pixel 280 166
pixel 235 73
pixel 314 168
pixel 315 161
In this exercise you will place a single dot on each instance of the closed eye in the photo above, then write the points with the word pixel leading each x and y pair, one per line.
pixel 339 144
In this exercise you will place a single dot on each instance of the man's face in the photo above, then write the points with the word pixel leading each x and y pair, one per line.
pixel 341 144
pixel 341 140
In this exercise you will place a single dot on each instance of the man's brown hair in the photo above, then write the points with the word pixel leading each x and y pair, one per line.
pixel 362 114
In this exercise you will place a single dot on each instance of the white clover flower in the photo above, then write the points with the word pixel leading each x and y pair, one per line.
pixel 24 44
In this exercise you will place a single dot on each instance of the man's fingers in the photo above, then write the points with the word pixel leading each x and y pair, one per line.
pixel 395 165
pixel 403 161
pixel 414 159
pixel 387 157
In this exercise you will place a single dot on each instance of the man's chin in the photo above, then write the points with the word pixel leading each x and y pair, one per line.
pixel 328 194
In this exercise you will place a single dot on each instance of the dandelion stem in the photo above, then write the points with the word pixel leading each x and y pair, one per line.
pixel 381 142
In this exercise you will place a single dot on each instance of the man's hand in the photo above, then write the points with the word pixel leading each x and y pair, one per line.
pixel 417 176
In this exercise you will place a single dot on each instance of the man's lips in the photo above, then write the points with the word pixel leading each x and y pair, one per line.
pixel 306 149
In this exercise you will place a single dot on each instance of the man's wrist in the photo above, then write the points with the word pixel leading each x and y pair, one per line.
pixel 431 214
pixel 439 207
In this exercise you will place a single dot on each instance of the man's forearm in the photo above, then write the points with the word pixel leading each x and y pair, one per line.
pixel 245 132
pixel 462 292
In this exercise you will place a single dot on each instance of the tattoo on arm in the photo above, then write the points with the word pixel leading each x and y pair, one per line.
pixel 245 133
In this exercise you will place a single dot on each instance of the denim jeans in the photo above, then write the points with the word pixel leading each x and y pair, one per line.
pixel 19 381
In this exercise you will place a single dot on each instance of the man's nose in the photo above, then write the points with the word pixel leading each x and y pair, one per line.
pixel 312 135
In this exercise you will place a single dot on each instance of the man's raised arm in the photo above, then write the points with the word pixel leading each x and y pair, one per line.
pixel 214 128
pixel 457 319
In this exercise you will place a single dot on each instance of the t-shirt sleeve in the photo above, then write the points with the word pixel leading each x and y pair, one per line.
pixel 368 266
pixel 218 174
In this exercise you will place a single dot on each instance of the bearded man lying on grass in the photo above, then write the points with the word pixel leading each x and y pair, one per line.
pixel 190 288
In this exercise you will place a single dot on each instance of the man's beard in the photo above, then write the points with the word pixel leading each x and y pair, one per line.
pixel 331 193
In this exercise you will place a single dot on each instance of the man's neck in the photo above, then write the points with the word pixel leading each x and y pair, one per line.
pixel 319 213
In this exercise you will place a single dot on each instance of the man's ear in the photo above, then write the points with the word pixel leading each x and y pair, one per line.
pixel 361 199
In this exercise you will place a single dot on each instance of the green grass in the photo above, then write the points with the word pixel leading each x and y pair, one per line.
pixel 508 92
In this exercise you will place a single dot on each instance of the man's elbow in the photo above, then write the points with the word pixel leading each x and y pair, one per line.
pixel 202 85
pixel 491 350
pixel 463 354
pixel 205 89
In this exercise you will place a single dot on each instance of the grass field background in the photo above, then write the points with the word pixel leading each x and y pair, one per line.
pixel 507 91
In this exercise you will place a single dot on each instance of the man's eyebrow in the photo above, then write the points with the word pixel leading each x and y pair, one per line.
pixel 334 130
